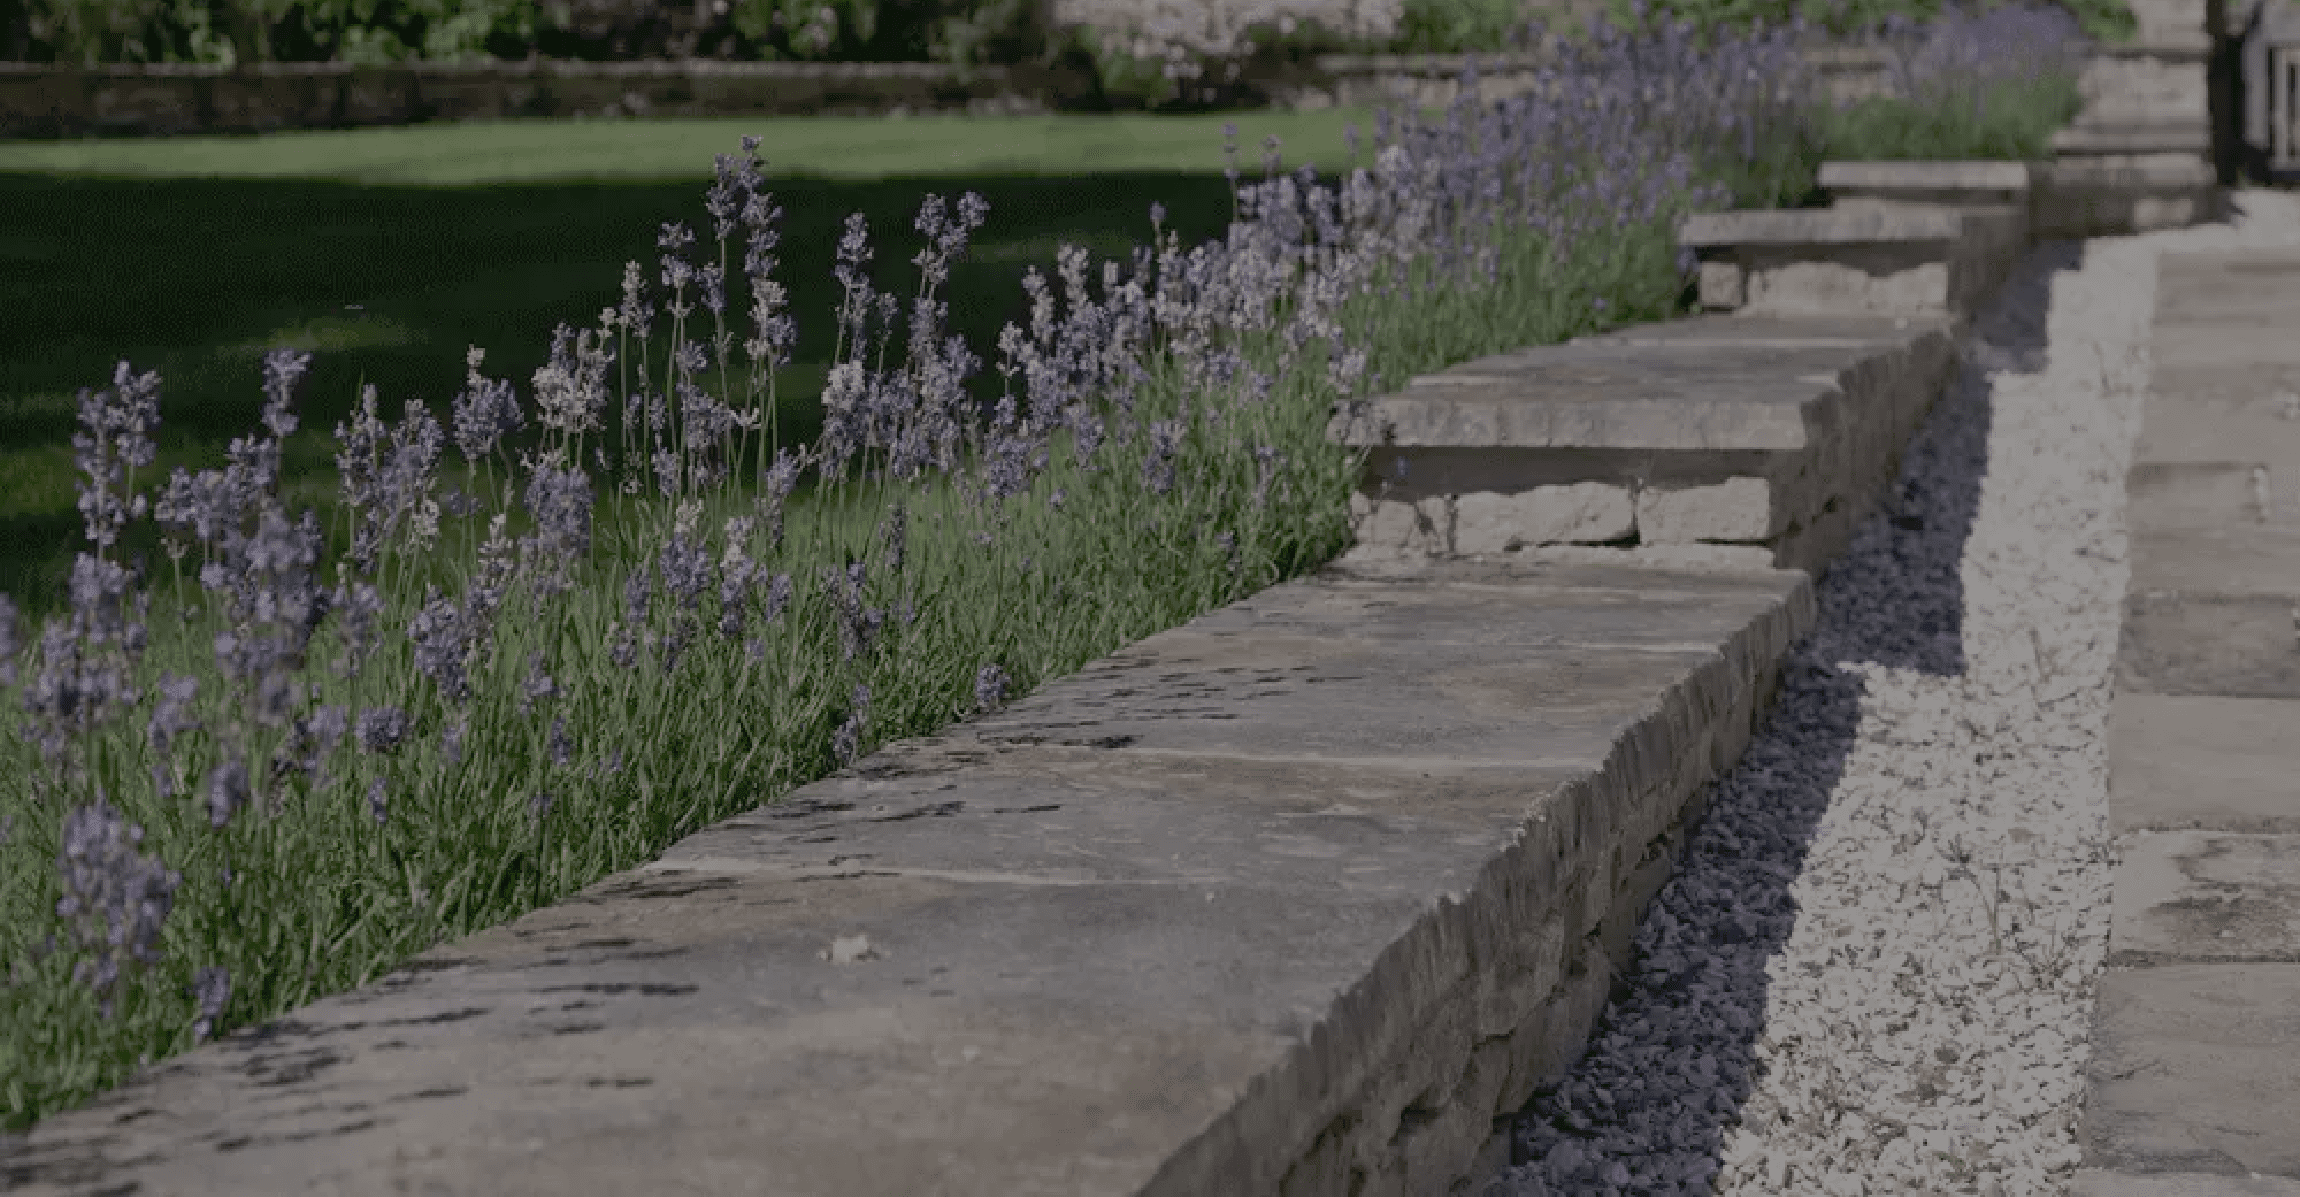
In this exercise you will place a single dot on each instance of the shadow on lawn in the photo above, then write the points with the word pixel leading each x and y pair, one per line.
pixel 197 277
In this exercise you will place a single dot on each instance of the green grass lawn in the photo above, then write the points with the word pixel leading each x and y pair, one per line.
pixel 389 251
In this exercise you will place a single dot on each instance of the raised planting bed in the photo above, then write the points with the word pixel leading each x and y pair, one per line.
pixel 1308 895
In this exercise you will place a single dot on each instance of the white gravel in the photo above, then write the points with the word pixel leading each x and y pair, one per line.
pixel 1875 971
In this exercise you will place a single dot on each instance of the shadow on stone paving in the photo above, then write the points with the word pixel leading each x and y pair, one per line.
pixel 1669 1066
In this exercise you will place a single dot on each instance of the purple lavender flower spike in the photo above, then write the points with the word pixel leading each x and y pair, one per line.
pixel 212 989
pixel 990 684
pixel 451 740
pixel 115 896
pixel 538 686
pixel 227 790
pixel 485 411
pixel 562 749
pixel 381 730
pixel 283 369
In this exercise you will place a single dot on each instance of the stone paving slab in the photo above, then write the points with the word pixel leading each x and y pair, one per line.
pixel 2205 895
pixel 2186 495
pixel 2192 1071
pixel 1271 901
pixel 2094 1182
pixel 2259 560
pixel 2219 390
pixel 2202 760
pixel 2196 1028
pixel 2188 425
pixel 2243 646
pixel 2200 293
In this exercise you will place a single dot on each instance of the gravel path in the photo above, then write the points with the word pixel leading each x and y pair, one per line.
pixel 1874 972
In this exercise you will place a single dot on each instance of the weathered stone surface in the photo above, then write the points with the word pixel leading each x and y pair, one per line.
pixel 1737 509
pixel 1579 513
pixel 2131 172
pixel 2205 895
pixel 2192 1071
pixel 2181 496
pixel 1306 893
pixel 1877 255
pixel 2096 1182
pixel 1724 286
pixel 1422 526
pixel 1836 330
pixel 2240 647
pixel 2194 425
pixel 2181 134
pixel 1819 226
pixel 1896 281
pixel 2202 760
pixel 1949 184
pixel 1617 397
pixel 2259 559
pixel 1815 410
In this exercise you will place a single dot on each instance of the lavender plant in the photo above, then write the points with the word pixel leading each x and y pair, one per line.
pixel 1992 83
pixel 1158 448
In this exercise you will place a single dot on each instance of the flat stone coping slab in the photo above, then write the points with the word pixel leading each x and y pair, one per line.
pixel 1990 182
pixel 1306 895
pixel 1749 331
pixel 1820 226
pixel 2136 171
pixel 1722 384
pixel 2168 138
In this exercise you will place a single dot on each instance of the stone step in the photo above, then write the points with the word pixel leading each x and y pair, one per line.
pixel 1925 184
pixel 2165 137
pixel 1886 260
pixel 1306 896
pixel 1751 438
pixel 2117 195
pixel 2179 42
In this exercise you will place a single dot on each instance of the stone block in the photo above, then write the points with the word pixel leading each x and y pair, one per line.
pixel 1580 513
pixel 1421 526
pixel 2167 137
pixel 1722 287
pixel 1927 184
pixel 1737 509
